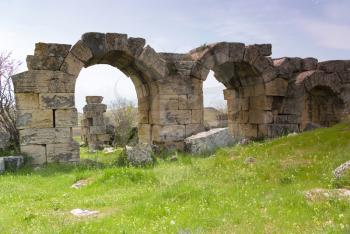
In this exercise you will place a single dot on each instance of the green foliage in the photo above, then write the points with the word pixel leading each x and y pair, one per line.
pixel 217 194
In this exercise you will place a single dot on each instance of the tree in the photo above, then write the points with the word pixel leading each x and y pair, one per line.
pixel 125 118
pixel 8 67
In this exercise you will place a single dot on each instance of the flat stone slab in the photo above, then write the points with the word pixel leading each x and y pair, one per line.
pixel 206 142
pixel 319 194
pixel 11 163
pixel 84 213
pixel 339 171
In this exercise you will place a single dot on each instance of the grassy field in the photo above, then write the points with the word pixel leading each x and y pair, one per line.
pixel 217 194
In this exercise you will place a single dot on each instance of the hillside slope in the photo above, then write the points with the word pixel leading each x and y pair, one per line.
pixel 257 188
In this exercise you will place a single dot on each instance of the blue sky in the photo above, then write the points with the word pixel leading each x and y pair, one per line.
pixel 303 28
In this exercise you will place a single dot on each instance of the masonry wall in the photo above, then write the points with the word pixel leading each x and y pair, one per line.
pixel 265 97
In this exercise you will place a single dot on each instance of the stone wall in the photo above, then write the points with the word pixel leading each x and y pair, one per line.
pixel 265 97
pixel 93 127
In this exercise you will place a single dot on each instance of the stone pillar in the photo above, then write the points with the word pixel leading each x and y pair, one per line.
pixel 93 128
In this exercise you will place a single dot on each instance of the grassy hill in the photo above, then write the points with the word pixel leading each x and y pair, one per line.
pixel 218 194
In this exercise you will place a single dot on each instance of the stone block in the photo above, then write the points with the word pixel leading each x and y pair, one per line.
pixel 165 102
pixel 136 45
pixel 153 60
pixel 308 64
pixel 251 53
pixel 286 119
pixel 276 130
pixel 143 117
pixel 27 101
pixel 144 132
pixel 56 100
pixel 264 49
pixel 193 129
pixel 245 130
pixel 171 117
pixel 287 66
pixel 117 41
pixel 66 117
pixel 43 81
pixel 168 133
pixel 260 103
pixel 81 51
pixel 36 152
pixel 332 66
pixel 277 87
pixel 193 102
pixel 13 163
pixel 207 142
pixel 93 99
pixel 100 108
pixel 44 62
pixel 41 136
pixel 72 65
pixel 236 51
pixel 97 44
pixel 97 129
pixel 2 165
pixel 230 94
pixel 103 137
pixel 197 116
pixel 257 117
pixel 51 49
pixel 34 119
pixel 66 152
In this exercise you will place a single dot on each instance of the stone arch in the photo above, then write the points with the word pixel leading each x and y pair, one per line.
pixel 250 80
pixel 45 93
pixel 323 104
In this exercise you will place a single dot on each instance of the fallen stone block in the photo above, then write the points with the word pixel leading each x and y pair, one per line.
pixel 340 171
pixel 13 163
pixel 83 213
pixel 140 155
pixel 204 142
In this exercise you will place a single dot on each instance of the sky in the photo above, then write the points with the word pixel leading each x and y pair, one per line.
pixel 295 28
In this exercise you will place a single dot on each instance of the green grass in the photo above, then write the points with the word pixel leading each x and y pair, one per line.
pixel 218 194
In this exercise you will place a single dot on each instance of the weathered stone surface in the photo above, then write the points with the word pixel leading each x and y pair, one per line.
pixel 81 51
pixel 36 152
pixel 287 66
pixel 27 101
pixel 12 163
pixel 256 116
pixel 144 131
pixel 277 87
pixel 205 142
pixel 339 171
pixel 264 49
pixel 45 136
pixel 2 165
pixel 51 49
pixel 63 152
pixel 332 66
pixel 66 117
pixel 44 62
pixel 168 133
pixel 34 119
pixel 95 107
pixel 140 155
pixel 72 65
pixel 136 45
pixel 260 103
pixel 56 100
pixel 93 99
pixel 308 64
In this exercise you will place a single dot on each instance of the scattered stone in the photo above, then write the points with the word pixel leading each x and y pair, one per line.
pixel 173 158
pixel 322 194
pixel 13 163
pixel 83 213
pixel 108 150
pixel 339 171
pixel 139 155
pixel 2 165
pixel 250 160
pixel 79 184
pixel 206 142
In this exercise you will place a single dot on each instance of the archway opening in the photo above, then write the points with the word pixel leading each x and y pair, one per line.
pixel 323 108
pixel 215 108
pixel 113 121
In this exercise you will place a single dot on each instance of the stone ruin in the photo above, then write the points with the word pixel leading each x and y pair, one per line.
pixel 265 97
pixel 93 127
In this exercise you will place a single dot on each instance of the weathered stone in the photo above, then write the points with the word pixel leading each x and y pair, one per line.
pixel 277 87
pixel 45 136
pixel 256 116
pixel 81 51
pixel 36 152
pixel 287 66
pixel 260 103
pixel 144 131
pixel 308 64
pixel 63 152
pixel 2 165
pixel 96 107
pixel 34 119
pixel 72 65
pixel 171 117
pixel 93 99
pixel 44 62
pixel 264 49
pixel 136 45
pixel 66 117
pixel 117 41
pixel 56 100
pixel 331 66
pixel 193 129
pixel 342 169
pixel 13 163
pixel 27 101
pixel 206 142
pixel 51 49
pixel 168 133
pixel 140 155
